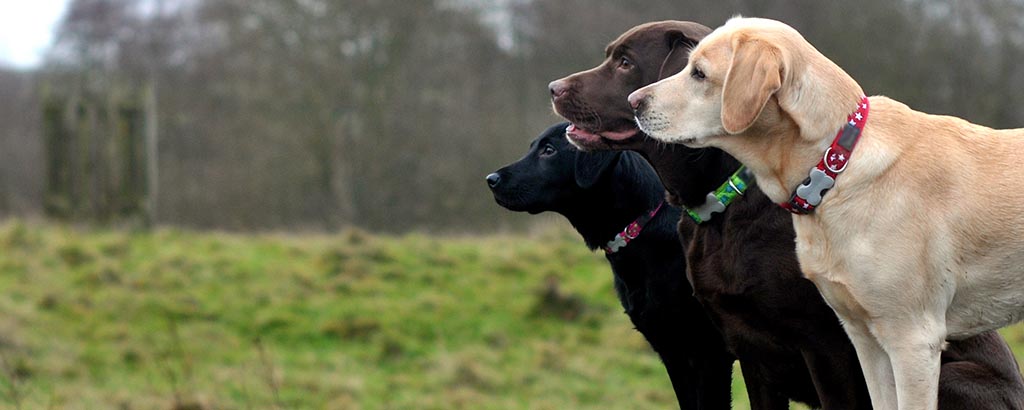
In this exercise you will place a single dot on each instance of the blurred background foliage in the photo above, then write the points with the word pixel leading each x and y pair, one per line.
pixel 353 118
pixel 386 114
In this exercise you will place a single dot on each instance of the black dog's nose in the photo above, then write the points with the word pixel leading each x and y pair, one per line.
pixel 493 179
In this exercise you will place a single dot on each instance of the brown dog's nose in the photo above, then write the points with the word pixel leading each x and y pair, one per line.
pixel 558 88
pixel 636 99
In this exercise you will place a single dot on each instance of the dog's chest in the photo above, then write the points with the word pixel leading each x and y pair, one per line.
pixel 825 269
pixel 748 285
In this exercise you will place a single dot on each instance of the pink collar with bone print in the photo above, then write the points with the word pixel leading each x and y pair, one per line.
pixel 808 195
pixel 632 231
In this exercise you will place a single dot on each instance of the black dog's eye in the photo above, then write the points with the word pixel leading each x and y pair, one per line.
pixel 697 74
pixel 625 64
pixel 547 151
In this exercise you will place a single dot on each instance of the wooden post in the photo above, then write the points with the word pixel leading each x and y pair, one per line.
pixel 131 194
pixel 57 197
pixel 100 160
pixel 79 150
pixel 152 155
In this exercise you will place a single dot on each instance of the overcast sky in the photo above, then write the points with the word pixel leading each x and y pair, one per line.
pixel 26 28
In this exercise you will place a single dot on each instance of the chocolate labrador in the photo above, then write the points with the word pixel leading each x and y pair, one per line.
pixel 600 193
pixel 740 250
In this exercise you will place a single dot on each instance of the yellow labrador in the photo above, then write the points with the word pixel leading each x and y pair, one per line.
pixel 920 237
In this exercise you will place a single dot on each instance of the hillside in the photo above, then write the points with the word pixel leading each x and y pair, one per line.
pixel 183 320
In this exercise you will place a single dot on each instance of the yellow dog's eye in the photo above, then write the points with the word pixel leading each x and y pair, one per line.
pixel 697 74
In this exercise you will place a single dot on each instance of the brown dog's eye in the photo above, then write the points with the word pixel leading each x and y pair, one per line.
pixel 697 74
pixel 624 63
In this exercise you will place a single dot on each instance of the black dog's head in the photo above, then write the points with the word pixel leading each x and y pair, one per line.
pixel 552 175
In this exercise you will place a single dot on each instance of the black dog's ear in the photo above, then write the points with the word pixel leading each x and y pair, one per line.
pixel 680 40
pixel 591 166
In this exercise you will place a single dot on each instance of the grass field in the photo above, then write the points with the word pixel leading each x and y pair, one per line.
pixel 99 319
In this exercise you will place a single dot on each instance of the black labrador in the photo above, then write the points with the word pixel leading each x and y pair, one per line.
pixel 601 194
pixel 741 260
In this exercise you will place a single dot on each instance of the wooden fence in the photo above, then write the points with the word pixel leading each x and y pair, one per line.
pixel 96 156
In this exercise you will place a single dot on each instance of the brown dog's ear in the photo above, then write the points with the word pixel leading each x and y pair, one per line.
pixel 680 41
pixel 755 74
pixel 592 165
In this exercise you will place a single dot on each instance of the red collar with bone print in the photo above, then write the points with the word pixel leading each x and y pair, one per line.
pixel 632 231
pixel 822 177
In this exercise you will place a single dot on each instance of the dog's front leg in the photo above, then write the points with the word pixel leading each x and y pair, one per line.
pixel 702 381
pixel 762 396
pixel 874 361
pixel 914 349
pixel 829 372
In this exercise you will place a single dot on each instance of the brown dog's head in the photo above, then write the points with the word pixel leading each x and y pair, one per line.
pixel 595 101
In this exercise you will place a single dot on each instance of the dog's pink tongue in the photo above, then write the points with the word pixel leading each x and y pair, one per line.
pixel 580 134
pixel 619 135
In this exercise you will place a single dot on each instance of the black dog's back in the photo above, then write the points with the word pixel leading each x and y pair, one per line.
pixel 600 193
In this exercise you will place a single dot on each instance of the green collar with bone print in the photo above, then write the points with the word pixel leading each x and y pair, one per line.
pixel 718 200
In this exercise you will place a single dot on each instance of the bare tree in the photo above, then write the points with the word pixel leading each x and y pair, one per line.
pixel 318 114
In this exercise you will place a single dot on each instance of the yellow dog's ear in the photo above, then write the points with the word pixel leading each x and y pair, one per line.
pixel 755 74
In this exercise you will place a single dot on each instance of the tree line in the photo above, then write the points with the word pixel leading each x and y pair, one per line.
pixel 386 114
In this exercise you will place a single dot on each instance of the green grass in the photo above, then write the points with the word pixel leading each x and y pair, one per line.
pixel 100 319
